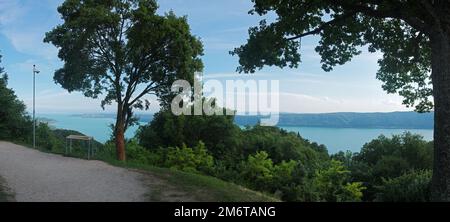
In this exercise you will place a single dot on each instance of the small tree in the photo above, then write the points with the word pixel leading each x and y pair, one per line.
pixel 332 184
pixel 123 50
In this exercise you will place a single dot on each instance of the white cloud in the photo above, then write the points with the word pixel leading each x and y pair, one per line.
pixel 298 103
pixel 30 41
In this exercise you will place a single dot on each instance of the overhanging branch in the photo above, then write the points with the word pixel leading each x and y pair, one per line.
pixel 396 11
pixel 323 26
pixel 146 91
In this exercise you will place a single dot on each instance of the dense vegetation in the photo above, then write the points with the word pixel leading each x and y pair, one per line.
pixel 275 161
pixel 384 165
pixel 13 117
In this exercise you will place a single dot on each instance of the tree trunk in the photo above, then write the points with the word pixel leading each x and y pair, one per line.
pixel 440 187
pixel 120 134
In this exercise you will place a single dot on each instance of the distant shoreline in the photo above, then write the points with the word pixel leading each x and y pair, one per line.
pixel 335 138
pixel 347 120
pixel 337 127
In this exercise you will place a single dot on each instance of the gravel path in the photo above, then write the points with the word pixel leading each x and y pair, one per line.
pixel 34 176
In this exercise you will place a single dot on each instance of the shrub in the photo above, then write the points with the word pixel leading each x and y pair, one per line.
pixel 139 154
pixel 219 133
pixel 46 139
pixel 258 171
pixel 187 159
pixel 390 158
pixel 108 152
pixel 332 184
pixel 413 186
pixel 285 180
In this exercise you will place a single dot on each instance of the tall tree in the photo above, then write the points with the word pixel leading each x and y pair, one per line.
pixel 14 121
pixel 123 50
pixel 414 37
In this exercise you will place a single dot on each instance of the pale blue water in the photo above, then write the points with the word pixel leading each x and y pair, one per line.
pixel 336 139
pixel 342 139
pixel 95 127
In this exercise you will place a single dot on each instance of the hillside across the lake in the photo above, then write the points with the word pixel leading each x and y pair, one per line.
pixel 393 120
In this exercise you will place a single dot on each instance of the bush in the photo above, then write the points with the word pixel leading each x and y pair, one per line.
pixel 258 171
pixel 187 159
pixel 333 185
pixel 413 186
pixel 139 154
pixel 415 152
pixel 46 139
pixel 218 132
pixel 288 180
pixel 390 158
pixel 281 145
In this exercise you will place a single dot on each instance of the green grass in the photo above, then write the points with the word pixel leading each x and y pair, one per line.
pixel 202 188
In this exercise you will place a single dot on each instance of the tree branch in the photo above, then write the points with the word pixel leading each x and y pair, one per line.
pixel 396 12
pixel 146 91
pixel 323 26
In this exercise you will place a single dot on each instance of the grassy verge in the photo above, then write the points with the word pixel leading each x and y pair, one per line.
pixel 201 188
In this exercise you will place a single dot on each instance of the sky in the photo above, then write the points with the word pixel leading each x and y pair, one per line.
pixel 222 25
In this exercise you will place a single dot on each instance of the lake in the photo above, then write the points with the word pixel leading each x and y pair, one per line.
pixel 336 139
pixel 95 127
pixel 342 139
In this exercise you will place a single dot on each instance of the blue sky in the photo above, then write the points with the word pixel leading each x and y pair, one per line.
pixel 221 25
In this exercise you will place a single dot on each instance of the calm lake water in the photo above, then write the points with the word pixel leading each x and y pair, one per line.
pixel 342 139
pixel 95 127
pixel 336 139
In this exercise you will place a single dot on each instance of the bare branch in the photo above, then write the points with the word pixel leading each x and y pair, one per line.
pixel 146 91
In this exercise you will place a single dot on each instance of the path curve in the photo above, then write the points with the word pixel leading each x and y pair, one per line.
pixel 34 176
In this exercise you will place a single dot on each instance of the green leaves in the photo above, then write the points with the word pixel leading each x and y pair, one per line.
pixel 267 46
pixel 123 50
pixel 193 160
pixel 406 64
pixel 413 186
pixel 15 124
pixel 384 159
pixel 332 184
